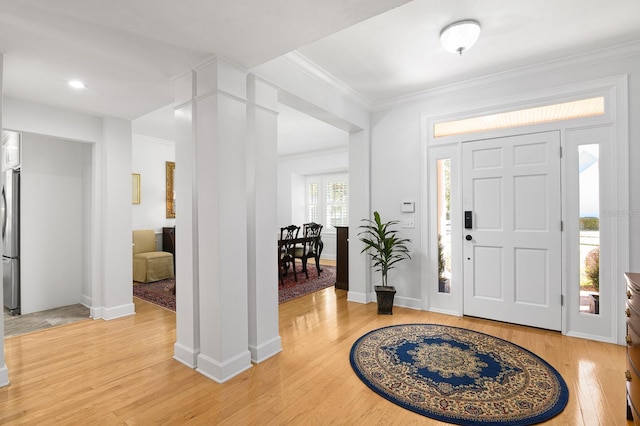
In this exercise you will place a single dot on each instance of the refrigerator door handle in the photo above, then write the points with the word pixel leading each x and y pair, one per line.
pixel 4 212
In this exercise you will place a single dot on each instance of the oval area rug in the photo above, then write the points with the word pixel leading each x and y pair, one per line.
pixel 458 376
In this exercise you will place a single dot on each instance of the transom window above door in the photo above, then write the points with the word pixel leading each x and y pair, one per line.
pixel 523 117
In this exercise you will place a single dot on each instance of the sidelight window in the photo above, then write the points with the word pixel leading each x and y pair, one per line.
pixel 444 225
pixel 589 227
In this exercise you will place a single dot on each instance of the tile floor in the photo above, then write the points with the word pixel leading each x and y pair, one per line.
pixel 21 324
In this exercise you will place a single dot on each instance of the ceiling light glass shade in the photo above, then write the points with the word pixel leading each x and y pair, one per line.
pixel 460 36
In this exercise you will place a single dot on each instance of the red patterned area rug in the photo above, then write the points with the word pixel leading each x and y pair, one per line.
pixel 291 289
pixel 161 292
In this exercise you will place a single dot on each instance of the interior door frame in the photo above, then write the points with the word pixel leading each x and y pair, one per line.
pixel 615 93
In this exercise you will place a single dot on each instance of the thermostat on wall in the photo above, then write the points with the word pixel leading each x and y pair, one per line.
pixel 408 207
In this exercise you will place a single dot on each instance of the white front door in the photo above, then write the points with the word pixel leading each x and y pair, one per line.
pixel 512 245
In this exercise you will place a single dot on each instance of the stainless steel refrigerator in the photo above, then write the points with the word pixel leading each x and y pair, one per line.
pixel 10 212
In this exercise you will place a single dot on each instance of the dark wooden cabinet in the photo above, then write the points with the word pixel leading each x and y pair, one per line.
pixel 342 257
pixel 169 242
pixel 632 374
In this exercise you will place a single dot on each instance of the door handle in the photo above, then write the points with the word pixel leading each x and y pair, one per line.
pixel 468 238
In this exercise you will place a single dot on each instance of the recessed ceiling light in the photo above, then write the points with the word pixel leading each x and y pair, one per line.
pixel 77 84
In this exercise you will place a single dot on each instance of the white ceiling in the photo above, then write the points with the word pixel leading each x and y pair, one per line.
pixel 399 53
pixel 127 50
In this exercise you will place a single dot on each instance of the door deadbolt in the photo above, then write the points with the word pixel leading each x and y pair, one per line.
pixel 468 238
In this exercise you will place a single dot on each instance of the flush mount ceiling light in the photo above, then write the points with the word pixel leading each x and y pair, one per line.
pixel 460 36
pixel 77 84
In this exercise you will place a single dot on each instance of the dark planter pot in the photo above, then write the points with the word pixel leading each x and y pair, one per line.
pixel 385 297
pixel 444 285
pixel 594 304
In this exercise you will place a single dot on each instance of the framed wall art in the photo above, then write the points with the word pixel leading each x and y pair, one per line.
pixel 171 202
pixel 135 188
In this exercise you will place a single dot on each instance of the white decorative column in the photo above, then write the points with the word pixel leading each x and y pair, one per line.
pixel 262 169
pixel 360 289
pixel 4 372
pixel 187 346
pixel 221 190
pixel 115 183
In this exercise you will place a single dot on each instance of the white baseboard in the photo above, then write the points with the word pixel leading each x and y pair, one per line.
pixel 96 312
pixel 185 355
pixel 101 312
pixel 86 301
pixel 403 302
pixel 408 302
pixel 221 372
pixel 445 311
pixel 265 350
pixel 352 296
pixel 4 376
pixel 594 337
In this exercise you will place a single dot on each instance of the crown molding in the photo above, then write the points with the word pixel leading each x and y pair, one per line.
pixel 606 54
pixel 153 139
pixel 305 65
pixel 307 154
pixel 504 77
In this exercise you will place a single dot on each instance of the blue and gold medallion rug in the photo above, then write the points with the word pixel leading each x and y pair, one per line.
pixel 458 376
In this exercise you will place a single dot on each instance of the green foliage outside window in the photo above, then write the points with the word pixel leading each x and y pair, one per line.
pixel 589 224
pixel 592 267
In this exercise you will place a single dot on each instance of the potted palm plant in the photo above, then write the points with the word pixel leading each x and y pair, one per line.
pixel 386 250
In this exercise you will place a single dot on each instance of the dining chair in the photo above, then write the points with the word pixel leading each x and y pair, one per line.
pixel 288 237
pixel 311 247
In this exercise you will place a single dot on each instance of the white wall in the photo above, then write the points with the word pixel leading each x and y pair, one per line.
pixel 149 157
pixel 4 373
pixel 396 153
pixel 87 223
pixel 33 118
pixel 52 218
pixel 108 238
pixel 159 124
pixel 291 187
pixel 395 177
pixel 30 117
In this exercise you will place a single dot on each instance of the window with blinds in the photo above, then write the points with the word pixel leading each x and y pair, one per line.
pixel 337 203
pixel 328 200
pixel 312 202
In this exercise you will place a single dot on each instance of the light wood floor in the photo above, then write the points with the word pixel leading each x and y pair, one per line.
pixel 122 372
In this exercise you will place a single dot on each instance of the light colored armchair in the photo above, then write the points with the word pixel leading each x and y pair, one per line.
pixel 149 264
